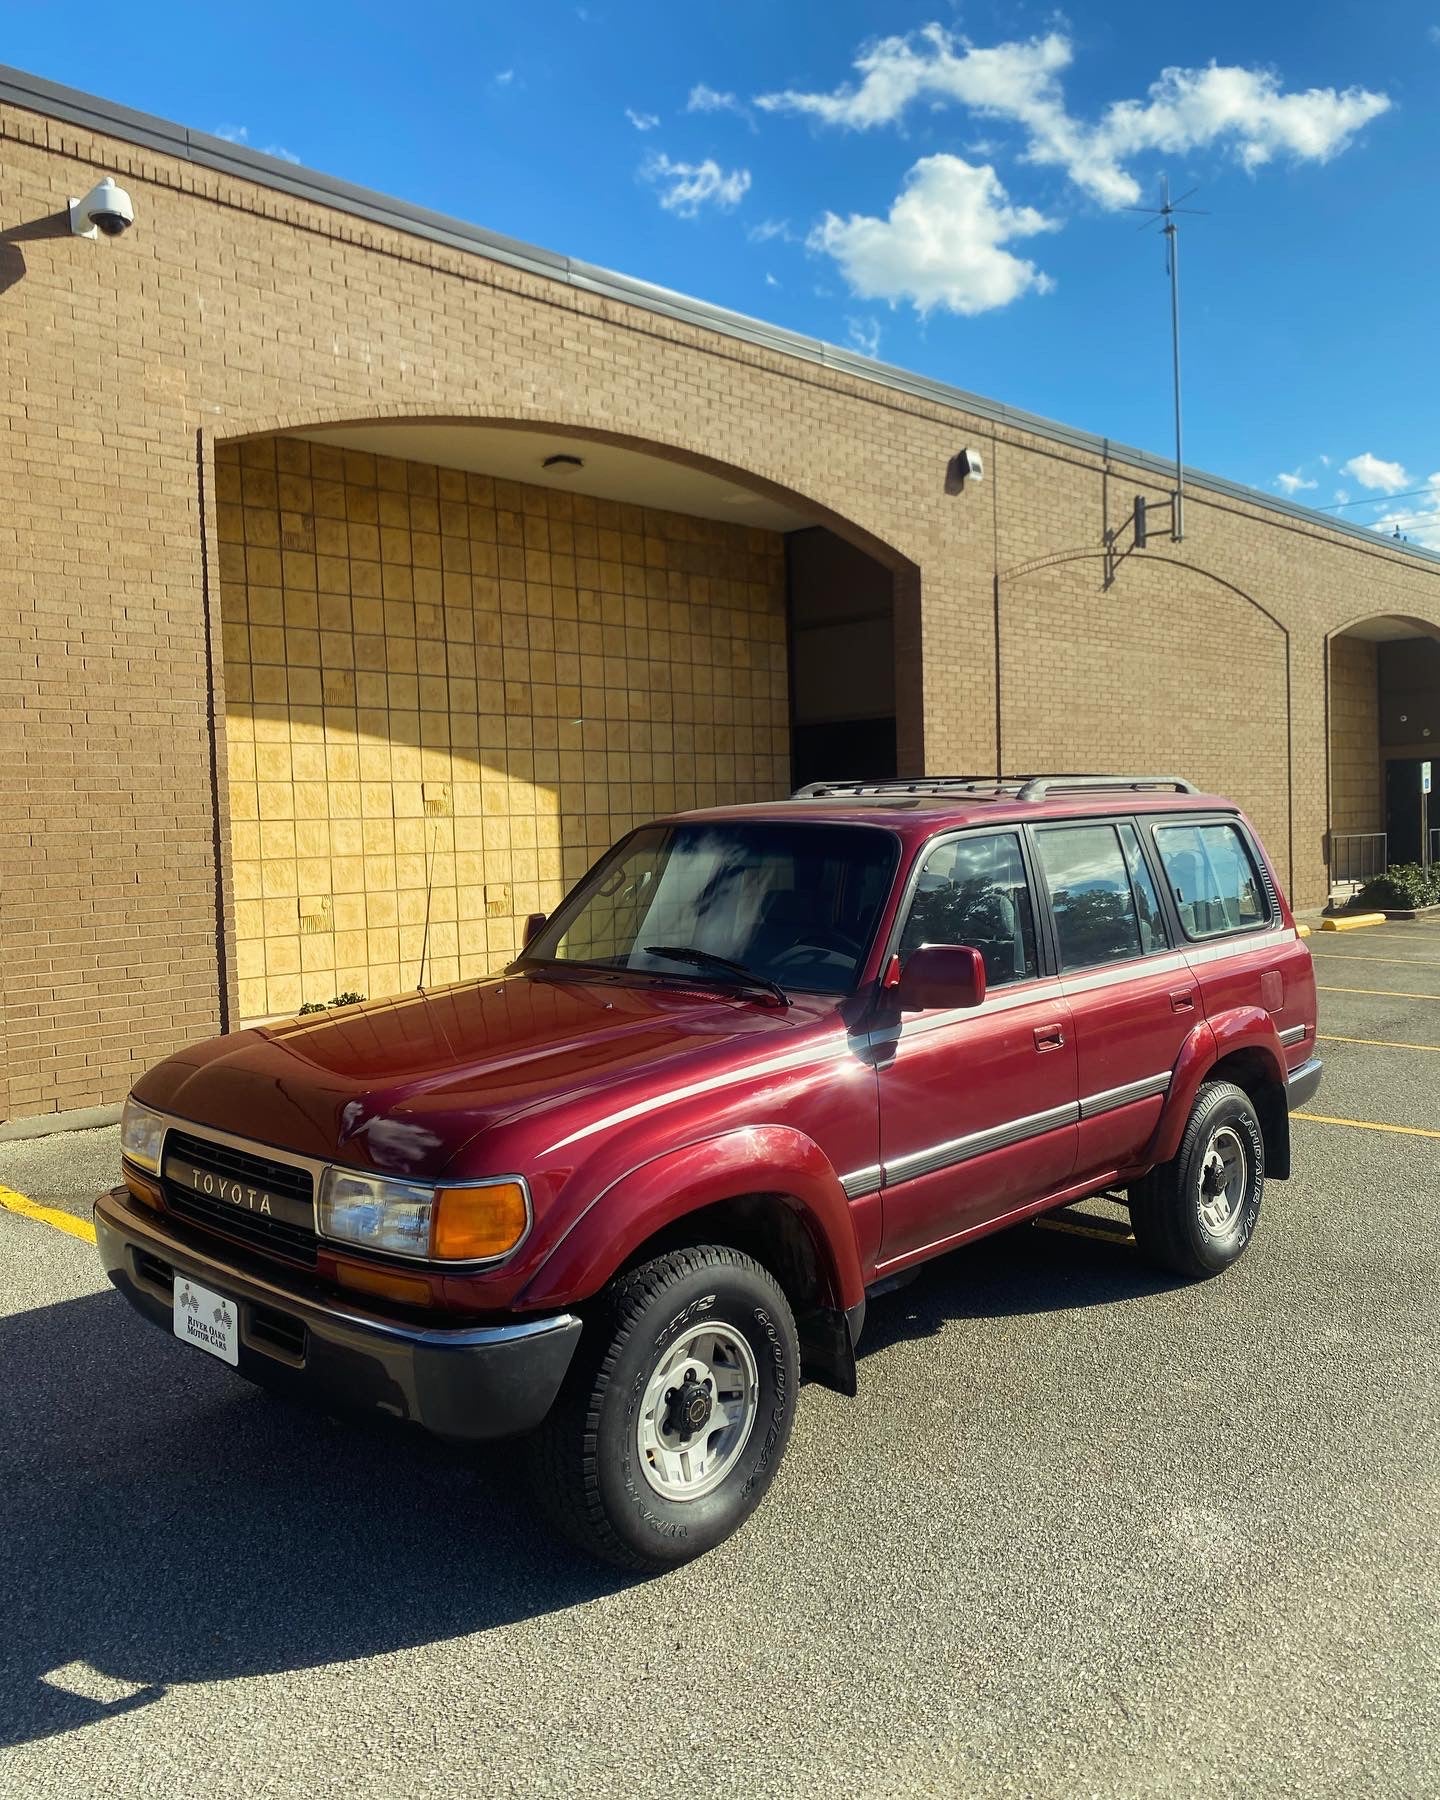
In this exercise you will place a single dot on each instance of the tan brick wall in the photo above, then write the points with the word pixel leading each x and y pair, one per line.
pixel 233 310
pixel 1357 801
pixel 452 694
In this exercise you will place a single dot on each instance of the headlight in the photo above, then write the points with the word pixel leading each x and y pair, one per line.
pixel 142 1134
pixel 473 1223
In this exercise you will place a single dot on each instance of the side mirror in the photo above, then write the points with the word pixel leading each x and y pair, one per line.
pixel 939 976
pixel 534 924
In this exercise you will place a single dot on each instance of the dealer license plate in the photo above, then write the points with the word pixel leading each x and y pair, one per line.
pixel 208 1319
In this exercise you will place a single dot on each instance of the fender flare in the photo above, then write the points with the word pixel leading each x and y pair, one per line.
pixel 758 1159
pixel 1212 1040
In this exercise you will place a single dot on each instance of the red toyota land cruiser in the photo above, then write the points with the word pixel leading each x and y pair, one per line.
pixel 761 1059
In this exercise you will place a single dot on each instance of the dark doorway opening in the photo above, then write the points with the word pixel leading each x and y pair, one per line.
pixel 842 660
pixel 1405 808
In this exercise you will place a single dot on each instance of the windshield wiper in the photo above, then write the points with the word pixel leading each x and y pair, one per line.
pixel 722 965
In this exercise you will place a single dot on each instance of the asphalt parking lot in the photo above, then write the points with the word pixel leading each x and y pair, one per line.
pixel 1084 1532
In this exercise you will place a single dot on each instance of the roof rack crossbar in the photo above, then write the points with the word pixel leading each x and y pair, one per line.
pixel 1017 787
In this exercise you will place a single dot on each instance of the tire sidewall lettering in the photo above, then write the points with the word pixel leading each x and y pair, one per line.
pixel 761 1454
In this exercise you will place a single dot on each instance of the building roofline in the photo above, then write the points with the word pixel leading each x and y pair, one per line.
pixel 53 100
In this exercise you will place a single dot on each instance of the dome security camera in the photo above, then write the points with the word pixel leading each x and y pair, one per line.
pixel 107 209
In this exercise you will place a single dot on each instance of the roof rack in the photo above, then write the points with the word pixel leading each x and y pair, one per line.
pixel 989 787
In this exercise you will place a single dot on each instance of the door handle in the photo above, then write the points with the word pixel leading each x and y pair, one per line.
pixel 1182 1000
pixel 1049 1037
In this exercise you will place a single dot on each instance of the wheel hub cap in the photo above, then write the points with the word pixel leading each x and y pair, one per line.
pixel 687 1409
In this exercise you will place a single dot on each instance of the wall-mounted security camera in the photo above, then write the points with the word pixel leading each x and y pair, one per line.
pixel 970 466
pixel 105 211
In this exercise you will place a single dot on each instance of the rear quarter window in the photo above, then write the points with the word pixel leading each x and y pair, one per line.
pixel 1213 878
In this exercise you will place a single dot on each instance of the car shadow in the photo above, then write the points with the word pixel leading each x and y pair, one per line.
pixel 1025 1270
pixel 167 1523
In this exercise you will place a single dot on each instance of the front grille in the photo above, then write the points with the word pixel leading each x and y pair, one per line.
pixel 274 1236
pixel 242 1165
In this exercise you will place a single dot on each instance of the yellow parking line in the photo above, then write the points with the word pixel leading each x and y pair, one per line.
pixel 1366 1125
pixel 1420 962
pixel 1386 993
pixel 47 1215
pixel 1329 1037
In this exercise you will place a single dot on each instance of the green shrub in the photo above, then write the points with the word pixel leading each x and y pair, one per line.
pixel 1402 885
pixel 348 998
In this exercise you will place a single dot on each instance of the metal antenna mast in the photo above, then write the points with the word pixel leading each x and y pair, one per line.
pixel 1167 210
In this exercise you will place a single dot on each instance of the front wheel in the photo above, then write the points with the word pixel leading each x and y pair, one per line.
pixel 1195 1214
pixel 676 1412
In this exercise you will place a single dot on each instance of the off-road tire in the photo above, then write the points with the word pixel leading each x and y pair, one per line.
pixel 584 1460
pixel 1167 1205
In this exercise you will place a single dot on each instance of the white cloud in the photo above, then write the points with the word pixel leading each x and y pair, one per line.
pixel 1342 496
pixel 1417 520
pixel 1019 82
pixel 1294 483
pixel 772 228
pixel 707 100
pixel 1372 472
pixel 770 280
pixel 240 134
pixel 686 187
pixel 642 121
pixel 943 243
pixel 504 77
pixel 864 336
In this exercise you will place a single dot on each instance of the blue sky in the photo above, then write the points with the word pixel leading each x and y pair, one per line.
pixel 944 186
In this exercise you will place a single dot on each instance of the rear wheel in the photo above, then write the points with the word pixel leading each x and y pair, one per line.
pixel 676 1411
pixel 1195 1214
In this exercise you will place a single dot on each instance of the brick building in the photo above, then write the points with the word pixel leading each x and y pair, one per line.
pixel 358 564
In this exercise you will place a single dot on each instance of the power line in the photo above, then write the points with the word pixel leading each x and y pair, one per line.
pixel 1378 499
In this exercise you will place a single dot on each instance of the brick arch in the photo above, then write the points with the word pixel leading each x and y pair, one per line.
pixel 525 780
pixel 1423 627
pixel 768 482
pixel 1357 751
pixel 1214 688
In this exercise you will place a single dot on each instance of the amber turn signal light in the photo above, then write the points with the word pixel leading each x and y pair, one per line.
pixel 410 1289
pixel 472 1223
pixel 147 1192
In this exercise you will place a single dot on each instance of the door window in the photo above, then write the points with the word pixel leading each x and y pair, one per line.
pixel 973 890
pixel 1213 878
pixel 1090 895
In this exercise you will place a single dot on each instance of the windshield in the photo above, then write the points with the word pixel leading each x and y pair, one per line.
pixel 796 904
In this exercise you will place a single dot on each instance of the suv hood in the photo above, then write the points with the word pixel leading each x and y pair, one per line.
pixel 402 1085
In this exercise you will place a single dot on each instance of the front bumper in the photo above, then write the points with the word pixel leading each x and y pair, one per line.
pixel 462 1383
pixel 1303 1083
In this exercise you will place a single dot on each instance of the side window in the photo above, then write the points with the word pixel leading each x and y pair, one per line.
pixel 1147 901
pixel 1090 895
pixel 973 891
pixel 1213 877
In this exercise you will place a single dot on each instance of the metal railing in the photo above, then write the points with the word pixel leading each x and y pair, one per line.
pixel 1357 856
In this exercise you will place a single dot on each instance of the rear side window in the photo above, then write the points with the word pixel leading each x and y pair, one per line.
pixel 1213 877
pixel 1090 895
pixel 974 891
